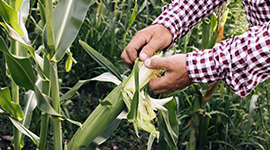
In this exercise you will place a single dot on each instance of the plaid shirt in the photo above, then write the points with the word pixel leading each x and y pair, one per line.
pixel 242 62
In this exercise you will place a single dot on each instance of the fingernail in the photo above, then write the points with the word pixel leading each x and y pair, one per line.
pixel 143 56
pixel 147 62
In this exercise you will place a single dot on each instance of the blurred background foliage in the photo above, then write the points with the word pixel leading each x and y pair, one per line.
pixel 233 122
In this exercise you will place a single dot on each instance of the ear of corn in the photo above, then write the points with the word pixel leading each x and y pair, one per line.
pixel 127 94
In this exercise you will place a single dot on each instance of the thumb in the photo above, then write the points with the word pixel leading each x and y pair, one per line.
pixel 157 63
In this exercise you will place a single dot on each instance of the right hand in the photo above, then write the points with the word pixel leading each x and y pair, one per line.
pixel 149 40
pixel 176 75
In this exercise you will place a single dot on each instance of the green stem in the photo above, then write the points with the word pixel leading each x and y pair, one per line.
pixel 16 132
pixel 15 97
pixel 54 86
pixel 194 122
pixel 43 130
pixel 50 26
pixel 44 116
pixel 56 105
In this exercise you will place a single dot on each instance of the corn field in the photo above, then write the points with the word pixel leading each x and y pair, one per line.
pixel 64 86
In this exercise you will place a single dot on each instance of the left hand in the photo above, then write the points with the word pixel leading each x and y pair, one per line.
pixel 176 75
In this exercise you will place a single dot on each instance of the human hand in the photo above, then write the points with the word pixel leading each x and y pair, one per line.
pixel 149 40
pixel 176 75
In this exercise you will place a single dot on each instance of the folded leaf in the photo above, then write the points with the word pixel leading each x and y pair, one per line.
pixel 20 68
pixel 10 16
pixel 12 108
pixel 132 115
pixel 43 103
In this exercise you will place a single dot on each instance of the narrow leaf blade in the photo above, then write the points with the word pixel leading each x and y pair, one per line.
pixel 132 115
pixel 68 18
pixel 25 131
pixel 101 60
pixel 252 107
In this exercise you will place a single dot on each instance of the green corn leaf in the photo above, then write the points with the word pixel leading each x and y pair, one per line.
pixel 203 128
pixel 170 106
pixel 20 68
pixel 150 141
pixel 23 14
pixel 212 40
pixel 105 77
pixel 252 107
pixel 104 135
pixel 132 115
pixel 29 107
pixel 14 35
pixel 40 67
pixel 93 126
pixel 101 60
pixel 168 138
pixel 132 18
pixel 12 108
pixel 68 18
pixel 10 16
pixel 213 23
pixel 133 15
pixel 74 122
pixel 42 13
pixel 31 104
pixel 15 4
pixel 43 103
pixel 206 33
pixel 25 131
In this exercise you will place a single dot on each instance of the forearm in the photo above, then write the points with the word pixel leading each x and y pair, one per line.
pixel 242 62
pixel 182 15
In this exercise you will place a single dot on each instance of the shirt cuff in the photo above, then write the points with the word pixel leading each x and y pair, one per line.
pixel 202 67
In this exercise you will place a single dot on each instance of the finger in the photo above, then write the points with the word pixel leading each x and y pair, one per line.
pixel 158 63
pixel 162 91
pixel 158 84
pixel 135 46
pixel 126 59
pixel 160 39
pixel 161 86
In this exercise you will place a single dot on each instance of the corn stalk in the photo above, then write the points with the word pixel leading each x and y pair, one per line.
pixel 212 33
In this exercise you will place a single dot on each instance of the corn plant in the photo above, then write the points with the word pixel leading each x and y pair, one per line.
pixel 59 30
pixel 59 27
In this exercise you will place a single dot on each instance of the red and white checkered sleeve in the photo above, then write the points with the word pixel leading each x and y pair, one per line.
pixel 242 62
pixel 181 15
